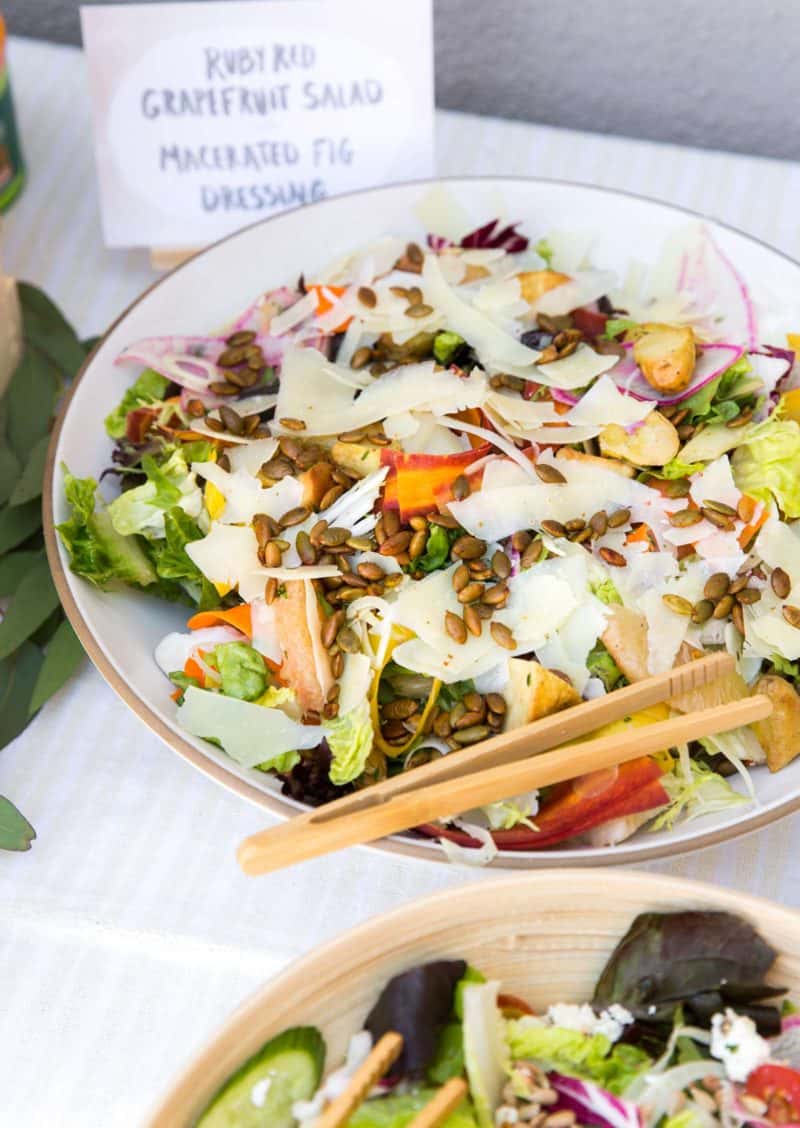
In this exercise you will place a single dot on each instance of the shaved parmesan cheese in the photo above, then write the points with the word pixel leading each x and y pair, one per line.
pixel 401 426
pixel 771 634
pixel 496 440
pixel 440 213
pixel 431 437
pixel 568 648
pixel 252 455
pixel 327 407
pixel 250 734
pixel 666 630
pixel 570 249
pixel 539 604
pixel 301 572
pixel 605 403
pixel 245 496
pixel 355 682
pixel 778 545
pixel 515 409
pixel 493 344
pixel 575 371
pixel 227 555
pixel 265 630
pixel 583 287
pixel 715 483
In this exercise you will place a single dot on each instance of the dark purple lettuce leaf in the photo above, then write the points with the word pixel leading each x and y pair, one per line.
pixel 416 1004
pixel 702 961
pixel 491 234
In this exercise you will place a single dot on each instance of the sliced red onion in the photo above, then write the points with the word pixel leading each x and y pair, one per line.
pixel 593 1105
pixel 563 396
pixel 715 359
pixel 712 282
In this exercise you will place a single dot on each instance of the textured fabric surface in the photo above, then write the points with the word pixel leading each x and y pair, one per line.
pixel 128 933
pixel 721 74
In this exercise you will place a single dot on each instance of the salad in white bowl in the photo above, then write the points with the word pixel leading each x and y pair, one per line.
pixel 438 490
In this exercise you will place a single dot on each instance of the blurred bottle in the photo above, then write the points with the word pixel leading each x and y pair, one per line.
pixel 12 170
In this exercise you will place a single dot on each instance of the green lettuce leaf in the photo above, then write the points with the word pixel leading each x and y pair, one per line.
pixel 601 665
pixel 437 550
pixel 97 551
pixel 242 671
pixel 703 793
pixel 396 1111
pixel 445 346
pixel 150 388
pixel 766 464
pixel 181 579
pixel 448 1060
pixel 617 325
pixel 590 1056
pixel 169 484
pixel 545 251
pixel 605 590
pixel 677 469
pixel 350 739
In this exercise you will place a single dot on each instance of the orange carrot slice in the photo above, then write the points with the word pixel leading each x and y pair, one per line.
pixel 238 617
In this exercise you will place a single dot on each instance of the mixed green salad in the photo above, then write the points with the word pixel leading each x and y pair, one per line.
pixel 439 489
pixel 682 1032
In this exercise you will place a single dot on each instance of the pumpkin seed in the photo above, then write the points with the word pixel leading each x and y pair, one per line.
pixel 272 555
pixel 214 424
pixel 276 469
pixel 723 608
pixel 737 617
pixel 337 664
pixel 677 603
pixel 501 565
pixel 270 590
pixel 716 586
pixel 496 702
pixel 332 536
pixel 503 636
pixel 400 708
pixel 391 522
pixel 446 520
pixel 347 640
pixel 292 424
pixel 719 507
pixel 240 337
pixel 367 297
pixel 780 582
pixel 454 625
pixel 619 518
pixel 531 554
pixel 496 595
pixel 470 593
pixel 613 558
pixel 554 528
pixel 370 570
pixel 749 595
pixel 702 611
pixel 417 544
pixel 598 522
pixel 419 310
pixel 330 496
pixel 791 615
pixel 471 735
pixel 224 388
pixel 360 359
pixel 294 517
pixel 468 548
pixel 396 544
pixel 415 254
pixel 461 577
pixel 683 518
pixel 549 474
pixel 720 520
pixel 461 487
pixel 231 356
pixel 575 525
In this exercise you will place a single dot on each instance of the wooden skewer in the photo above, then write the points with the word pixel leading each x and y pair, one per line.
pixel 335 826
pixel 547 732
pixel 383 1054
pixel 437 1110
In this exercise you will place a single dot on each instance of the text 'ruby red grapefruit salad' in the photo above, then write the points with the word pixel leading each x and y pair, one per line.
pixel 442 488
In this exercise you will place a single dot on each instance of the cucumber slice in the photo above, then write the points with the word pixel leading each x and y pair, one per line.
pixel 287 1069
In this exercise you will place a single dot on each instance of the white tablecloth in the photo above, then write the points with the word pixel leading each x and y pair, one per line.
pixel 128 932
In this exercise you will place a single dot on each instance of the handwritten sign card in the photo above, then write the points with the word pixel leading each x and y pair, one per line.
pixel 210 116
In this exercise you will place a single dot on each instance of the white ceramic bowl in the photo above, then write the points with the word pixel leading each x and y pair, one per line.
pixel 121 630
pixel 545 936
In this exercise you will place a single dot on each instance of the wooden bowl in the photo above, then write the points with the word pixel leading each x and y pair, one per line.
pixel 545 936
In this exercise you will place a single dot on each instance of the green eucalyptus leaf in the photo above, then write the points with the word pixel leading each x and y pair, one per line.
pixel 9 473
pixel 31 399
pixel 18 676
pixel 34 600
pixel 17 523
pixel 62 658
pixel 13 567
pixel 16 833
pixel 42 635
pixel 29 485
pixel 45 327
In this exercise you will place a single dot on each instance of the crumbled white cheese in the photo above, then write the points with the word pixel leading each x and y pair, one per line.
pixel 582 1018
pixel 258 1094
pixel 737 1044
pixel 306 1112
